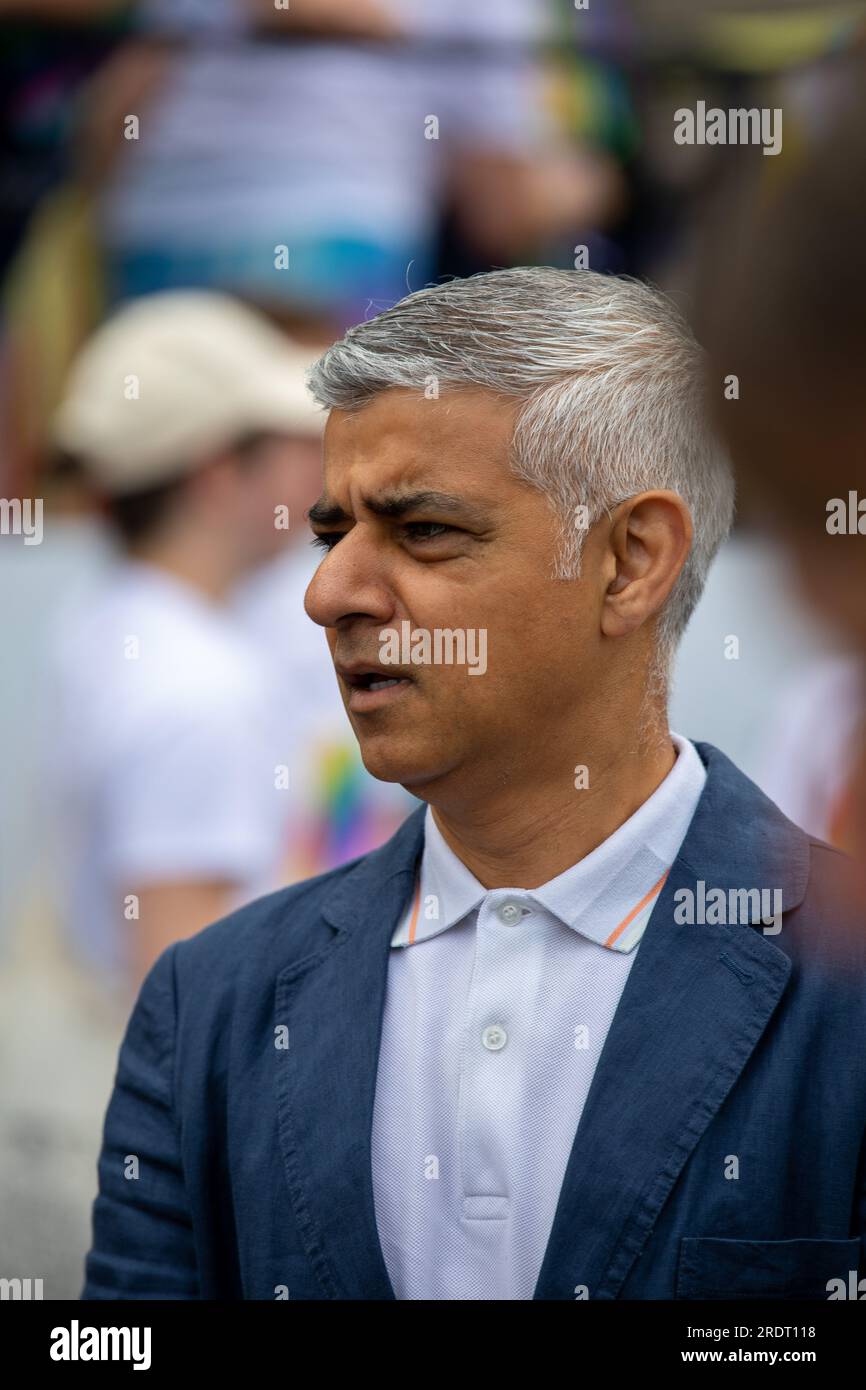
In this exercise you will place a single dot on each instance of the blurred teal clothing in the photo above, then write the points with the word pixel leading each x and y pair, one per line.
pixel 344 278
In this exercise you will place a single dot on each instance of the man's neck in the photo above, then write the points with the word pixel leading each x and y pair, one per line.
pixel 530 836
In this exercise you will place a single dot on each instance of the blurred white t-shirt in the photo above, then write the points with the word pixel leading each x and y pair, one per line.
pixel 163 758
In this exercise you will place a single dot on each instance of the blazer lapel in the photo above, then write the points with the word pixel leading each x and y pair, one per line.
pixel 332 1003
pixel 696 1002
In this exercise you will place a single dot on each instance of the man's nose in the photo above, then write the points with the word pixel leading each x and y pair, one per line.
pixel 349 583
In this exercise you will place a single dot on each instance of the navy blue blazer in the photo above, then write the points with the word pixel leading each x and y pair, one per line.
pixel 720 1153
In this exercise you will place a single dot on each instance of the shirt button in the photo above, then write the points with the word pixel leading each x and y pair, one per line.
pixel 509 913
pixel 494 1037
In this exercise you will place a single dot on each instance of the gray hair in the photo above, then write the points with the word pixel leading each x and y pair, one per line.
pixel 611 379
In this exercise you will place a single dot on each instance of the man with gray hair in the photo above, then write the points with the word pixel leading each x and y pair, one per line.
pixel 525 1050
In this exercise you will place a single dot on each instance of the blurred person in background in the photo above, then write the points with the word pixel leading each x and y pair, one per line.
pixel 189 418
pixel 781 308
pixel 784 701
pixel 279 157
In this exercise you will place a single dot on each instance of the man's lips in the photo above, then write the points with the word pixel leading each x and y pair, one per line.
pixel 370 685
pixel 371 675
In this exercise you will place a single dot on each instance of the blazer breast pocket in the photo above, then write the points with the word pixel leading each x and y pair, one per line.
pixel 713 1267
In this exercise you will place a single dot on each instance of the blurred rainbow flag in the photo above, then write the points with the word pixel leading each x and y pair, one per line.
pixel 346 812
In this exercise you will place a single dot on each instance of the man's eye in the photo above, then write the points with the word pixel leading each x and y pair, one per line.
pixel 412 530
pixel 425 530
pixel 326 540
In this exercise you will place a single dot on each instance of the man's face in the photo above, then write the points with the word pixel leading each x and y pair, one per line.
pixel 425 524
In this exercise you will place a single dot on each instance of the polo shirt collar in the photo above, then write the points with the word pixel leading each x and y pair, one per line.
pixel 607 897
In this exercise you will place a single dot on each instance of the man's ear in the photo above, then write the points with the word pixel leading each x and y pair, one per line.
pixel 649 539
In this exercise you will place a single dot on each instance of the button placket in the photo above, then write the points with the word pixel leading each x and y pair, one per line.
pixel 493 1059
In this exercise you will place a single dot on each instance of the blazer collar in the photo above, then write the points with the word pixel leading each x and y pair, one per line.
pixel 695 1004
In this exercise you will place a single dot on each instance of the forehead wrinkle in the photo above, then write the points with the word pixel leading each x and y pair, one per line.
pixel 388 469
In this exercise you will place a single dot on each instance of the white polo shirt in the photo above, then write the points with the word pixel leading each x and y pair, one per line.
pixel 497 1007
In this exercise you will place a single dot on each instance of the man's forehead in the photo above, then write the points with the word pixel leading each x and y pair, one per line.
pixel 401 417
pixel 400 443
pixel 387 478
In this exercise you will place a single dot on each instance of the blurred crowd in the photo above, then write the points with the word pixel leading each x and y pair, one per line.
pixel 196 197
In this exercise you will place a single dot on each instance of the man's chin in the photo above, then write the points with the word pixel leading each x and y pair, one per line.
pixel 412 768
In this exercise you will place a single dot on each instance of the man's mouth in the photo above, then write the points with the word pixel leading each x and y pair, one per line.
pixel 382 685
pixel 365 683
pixel 371 680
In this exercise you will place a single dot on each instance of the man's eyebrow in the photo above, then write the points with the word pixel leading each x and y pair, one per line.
pixel 325 513
pixel 398 504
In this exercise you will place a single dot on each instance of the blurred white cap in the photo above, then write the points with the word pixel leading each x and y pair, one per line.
pixel 174 377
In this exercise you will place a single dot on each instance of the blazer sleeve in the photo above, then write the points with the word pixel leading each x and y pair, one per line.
pixel 142 1243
